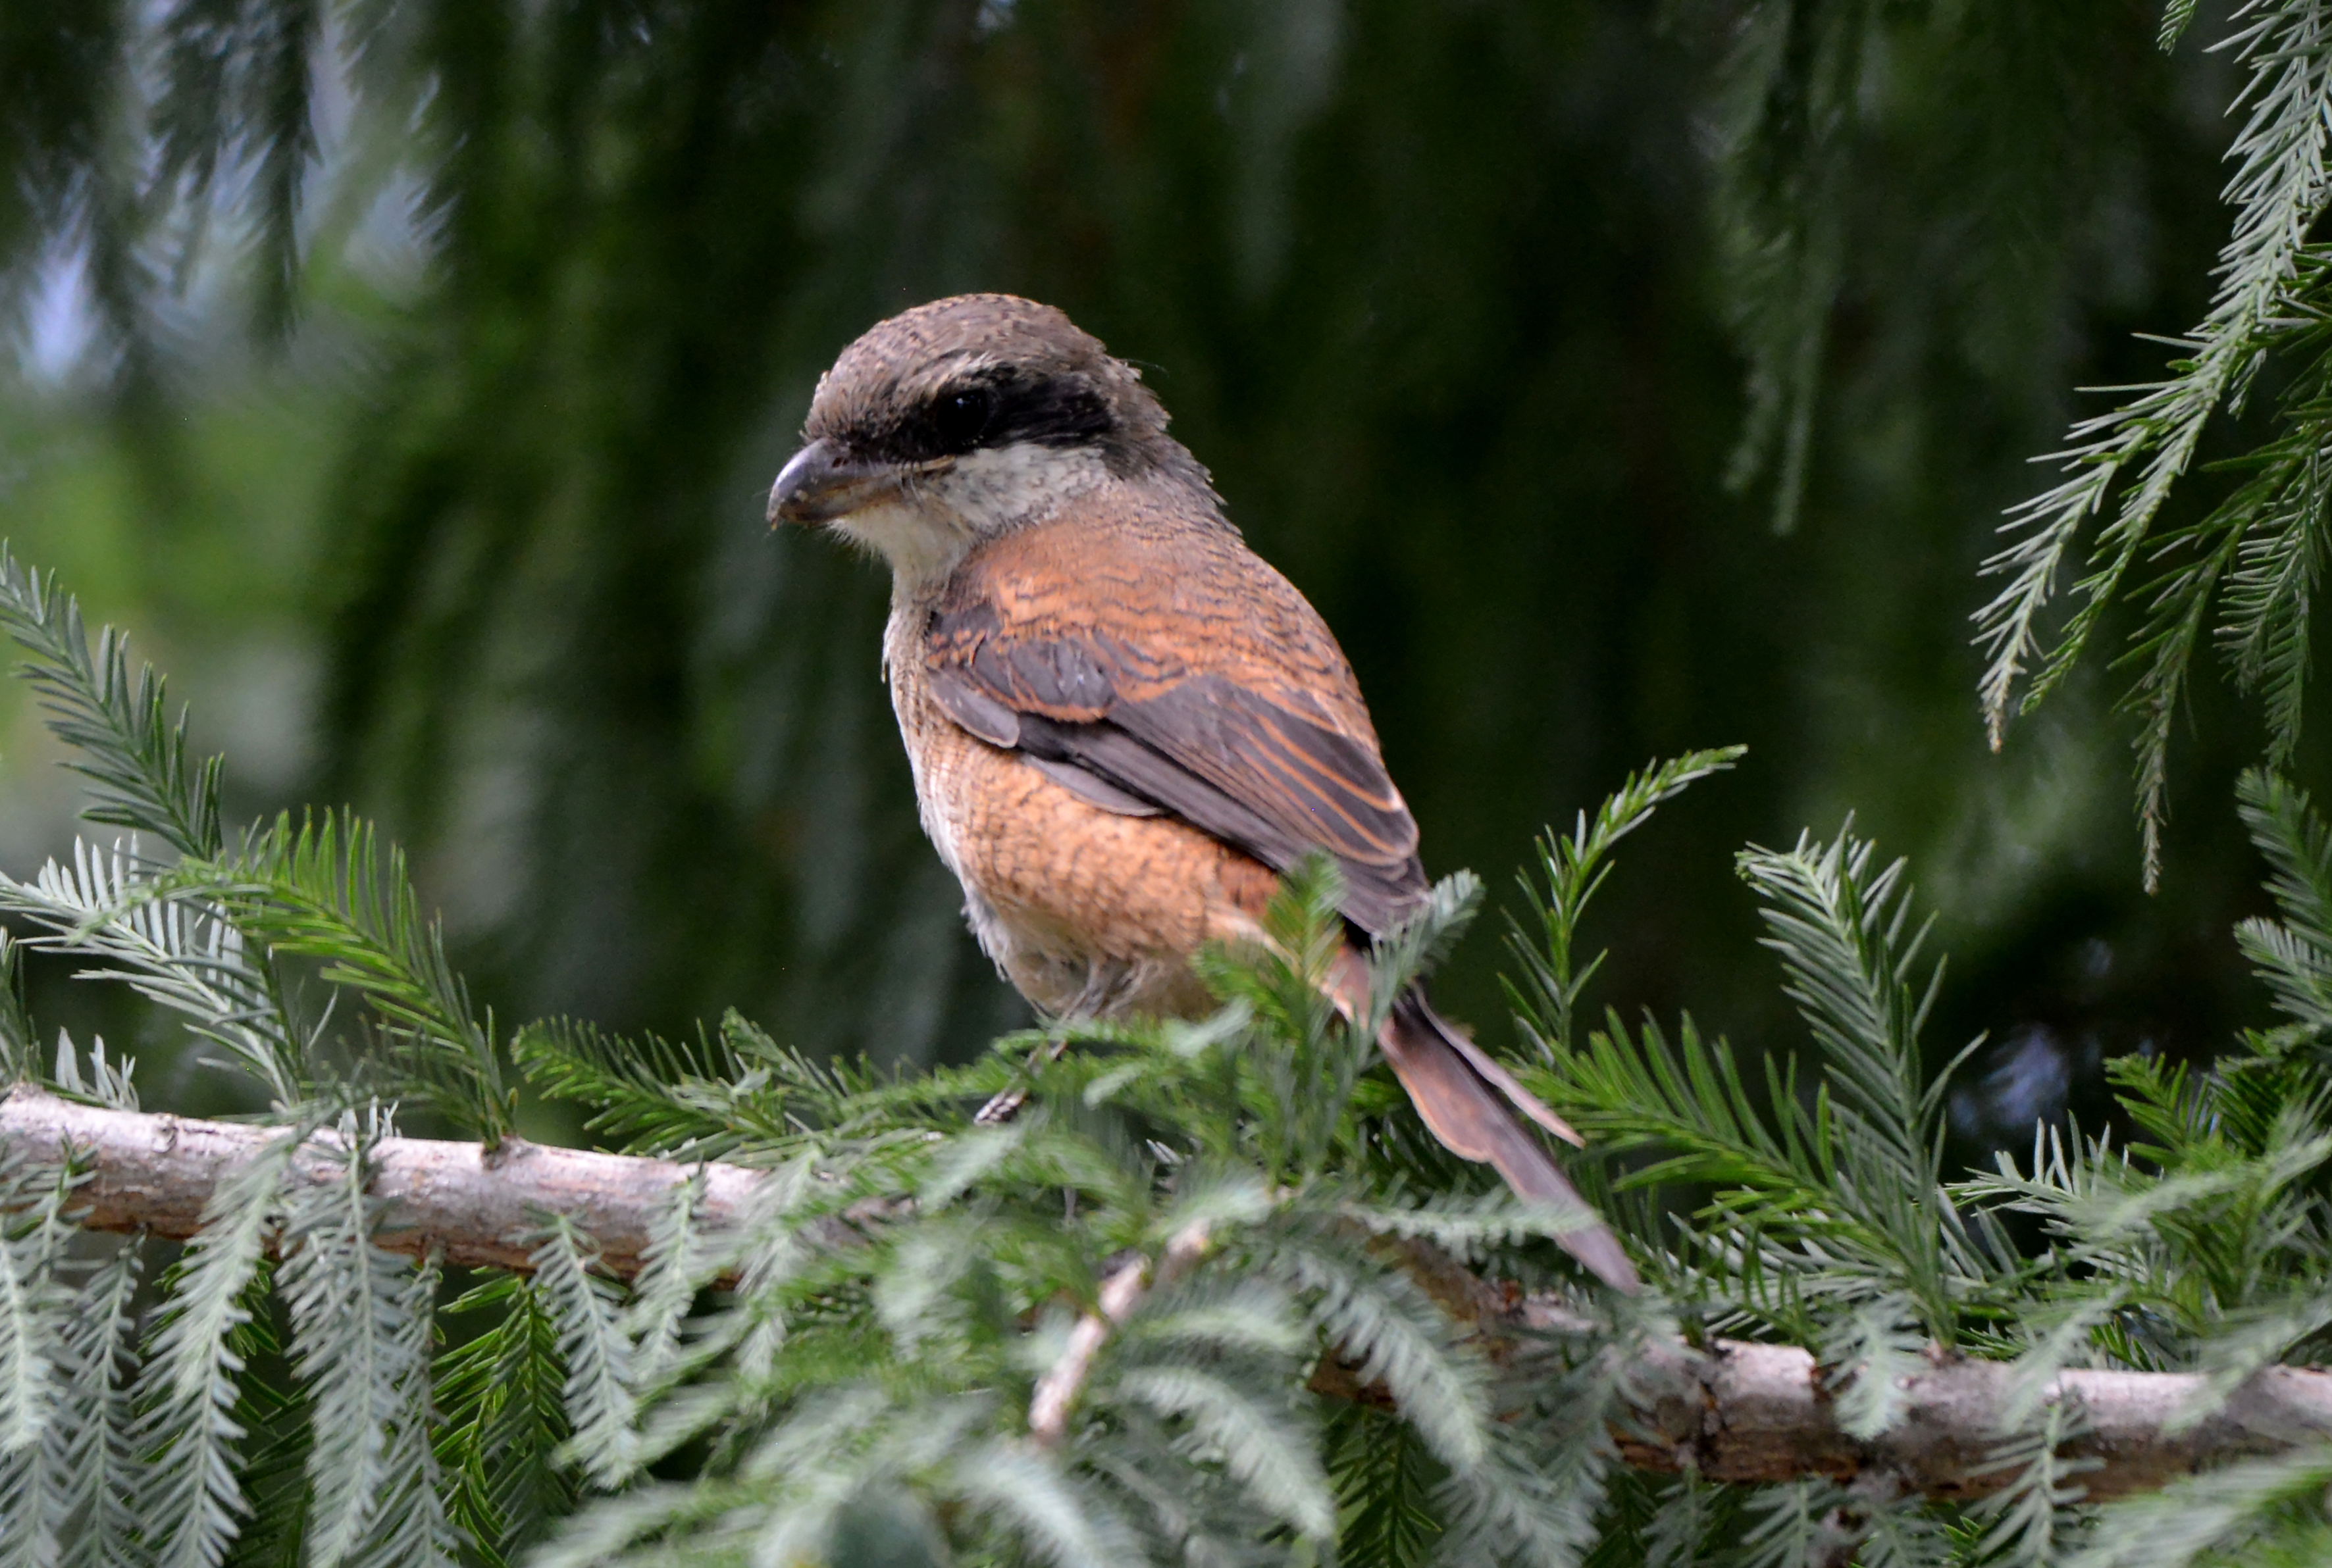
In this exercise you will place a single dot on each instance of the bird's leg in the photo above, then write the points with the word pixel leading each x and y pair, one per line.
pixel 1005 1104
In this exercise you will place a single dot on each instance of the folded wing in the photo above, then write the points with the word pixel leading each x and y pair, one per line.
pixel 1266 770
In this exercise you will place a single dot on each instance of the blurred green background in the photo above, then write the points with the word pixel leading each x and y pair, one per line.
pixel 1469 306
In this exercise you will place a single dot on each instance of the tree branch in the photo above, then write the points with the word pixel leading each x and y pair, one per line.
pixel 1739 1411
pixel 1735 1412
pixel 1759 1412
pixel 471 1206
pixel 1121 1293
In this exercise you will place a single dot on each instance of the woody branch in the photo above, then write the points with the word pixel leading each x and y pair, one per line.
pixel 1733 1411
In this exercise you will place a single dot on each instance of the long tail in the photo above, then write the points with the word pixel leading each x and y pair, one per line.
pixel 1469 1101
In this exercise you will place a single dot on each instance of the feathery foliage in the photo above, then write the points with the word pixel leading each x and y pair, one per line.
pixel 864 1356
pixel 327 890
pixel 597 1352
pixel 1787 106
pixel 1842 1195
pixel 1083 1301
pixel 361 1325
pixel 2263 543
pixel 502 1394
pixel 1571 870
pixel 119 729
pixel 94 1453
pixel 189 1499
pixel 33 1366
pixel 892 1369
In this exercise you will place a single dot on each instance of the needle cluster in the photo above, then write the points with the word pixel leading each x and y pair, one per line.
pixel 1171 1309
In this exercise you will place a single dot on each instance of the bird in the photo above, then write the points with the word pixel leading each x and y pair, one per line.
pixel 1122 724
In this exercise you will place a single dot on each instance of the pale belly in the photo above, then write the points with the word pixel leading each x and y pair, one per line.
pixel 1087 913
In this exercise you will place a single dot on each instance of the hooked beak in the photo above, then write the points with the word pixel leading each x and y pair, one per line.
pixel 818 484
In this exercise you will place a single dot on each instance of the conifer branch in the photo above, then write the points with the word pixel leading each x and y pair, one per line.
pixel 1121 1293
pixel 1740 1412
pixel 1731 1412
pixel 474 1207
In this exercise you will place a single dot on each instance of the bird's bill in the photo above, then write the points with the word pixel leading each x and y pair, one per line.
pixel 819 484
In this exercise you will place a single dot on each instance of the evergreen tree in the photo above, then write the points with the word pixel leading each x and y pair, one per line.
pixel 1124 1293
pixel 1455 299
pixel 1146 1291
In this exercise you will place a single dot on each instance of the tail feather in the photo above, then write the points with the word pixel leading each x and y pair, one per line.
pixel 1466 1107
pixel 1499 1079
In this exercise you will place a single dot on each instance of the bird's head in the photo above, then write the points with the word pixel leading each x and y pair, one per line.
pixel 967 418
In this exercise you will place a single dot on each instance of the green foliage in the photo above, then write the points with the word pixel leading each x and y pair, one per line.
pixel 708 1099
pixel 20 1053
pixel 119 729
pixel 95 1456
pixel 2294 955
pixel 34 1367
pixel 569 285
pixel 1570 870
pixel 190 1500
pixel 252 63
pixel 1082 1302
pixel 327 890
pixel 1385 1501
pixel 502 1393
pixel 1869 1352
pixel 362 1324
pixel 180 954
pixel 1840 1195
pixel 2196 1247
pixel 185 955
pixel 599 1396
pixel 892 1358
pixel 2036 1520
pixel 1839 928
pixel 646 1094
pixel 1788 105
pixel 2261 1511
pixel 2263 542
pixel 867 1350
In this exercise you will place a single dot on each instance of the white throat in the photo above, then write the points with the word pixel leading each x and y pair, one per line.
pixel 927 532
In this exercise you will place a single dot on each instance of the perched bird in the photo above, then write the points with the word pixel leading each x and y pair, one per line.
pixel 1122 724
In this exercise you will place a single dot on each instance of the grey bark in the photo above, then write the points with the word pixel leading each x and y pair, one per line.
pixel 471 1205
pixel 1735 1411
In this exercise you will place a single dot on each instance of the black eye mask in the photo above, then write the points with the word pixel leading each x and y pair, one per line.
pixel 996 408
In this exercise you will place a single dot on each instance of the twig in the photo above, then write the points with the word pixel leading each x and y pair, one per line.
pixel 1121 1293
pixel 1761 1412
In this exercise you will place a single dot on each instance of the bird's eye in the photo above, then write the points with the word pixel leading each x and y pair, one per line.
pixel 960 419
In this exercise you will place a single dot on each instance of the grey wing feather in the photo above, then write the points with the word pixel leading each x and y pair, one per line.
pixel 974 709
pixel 1092 788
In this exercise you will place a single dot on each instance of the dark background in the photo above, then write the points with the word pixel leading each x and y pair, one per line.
pixel 1464 304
